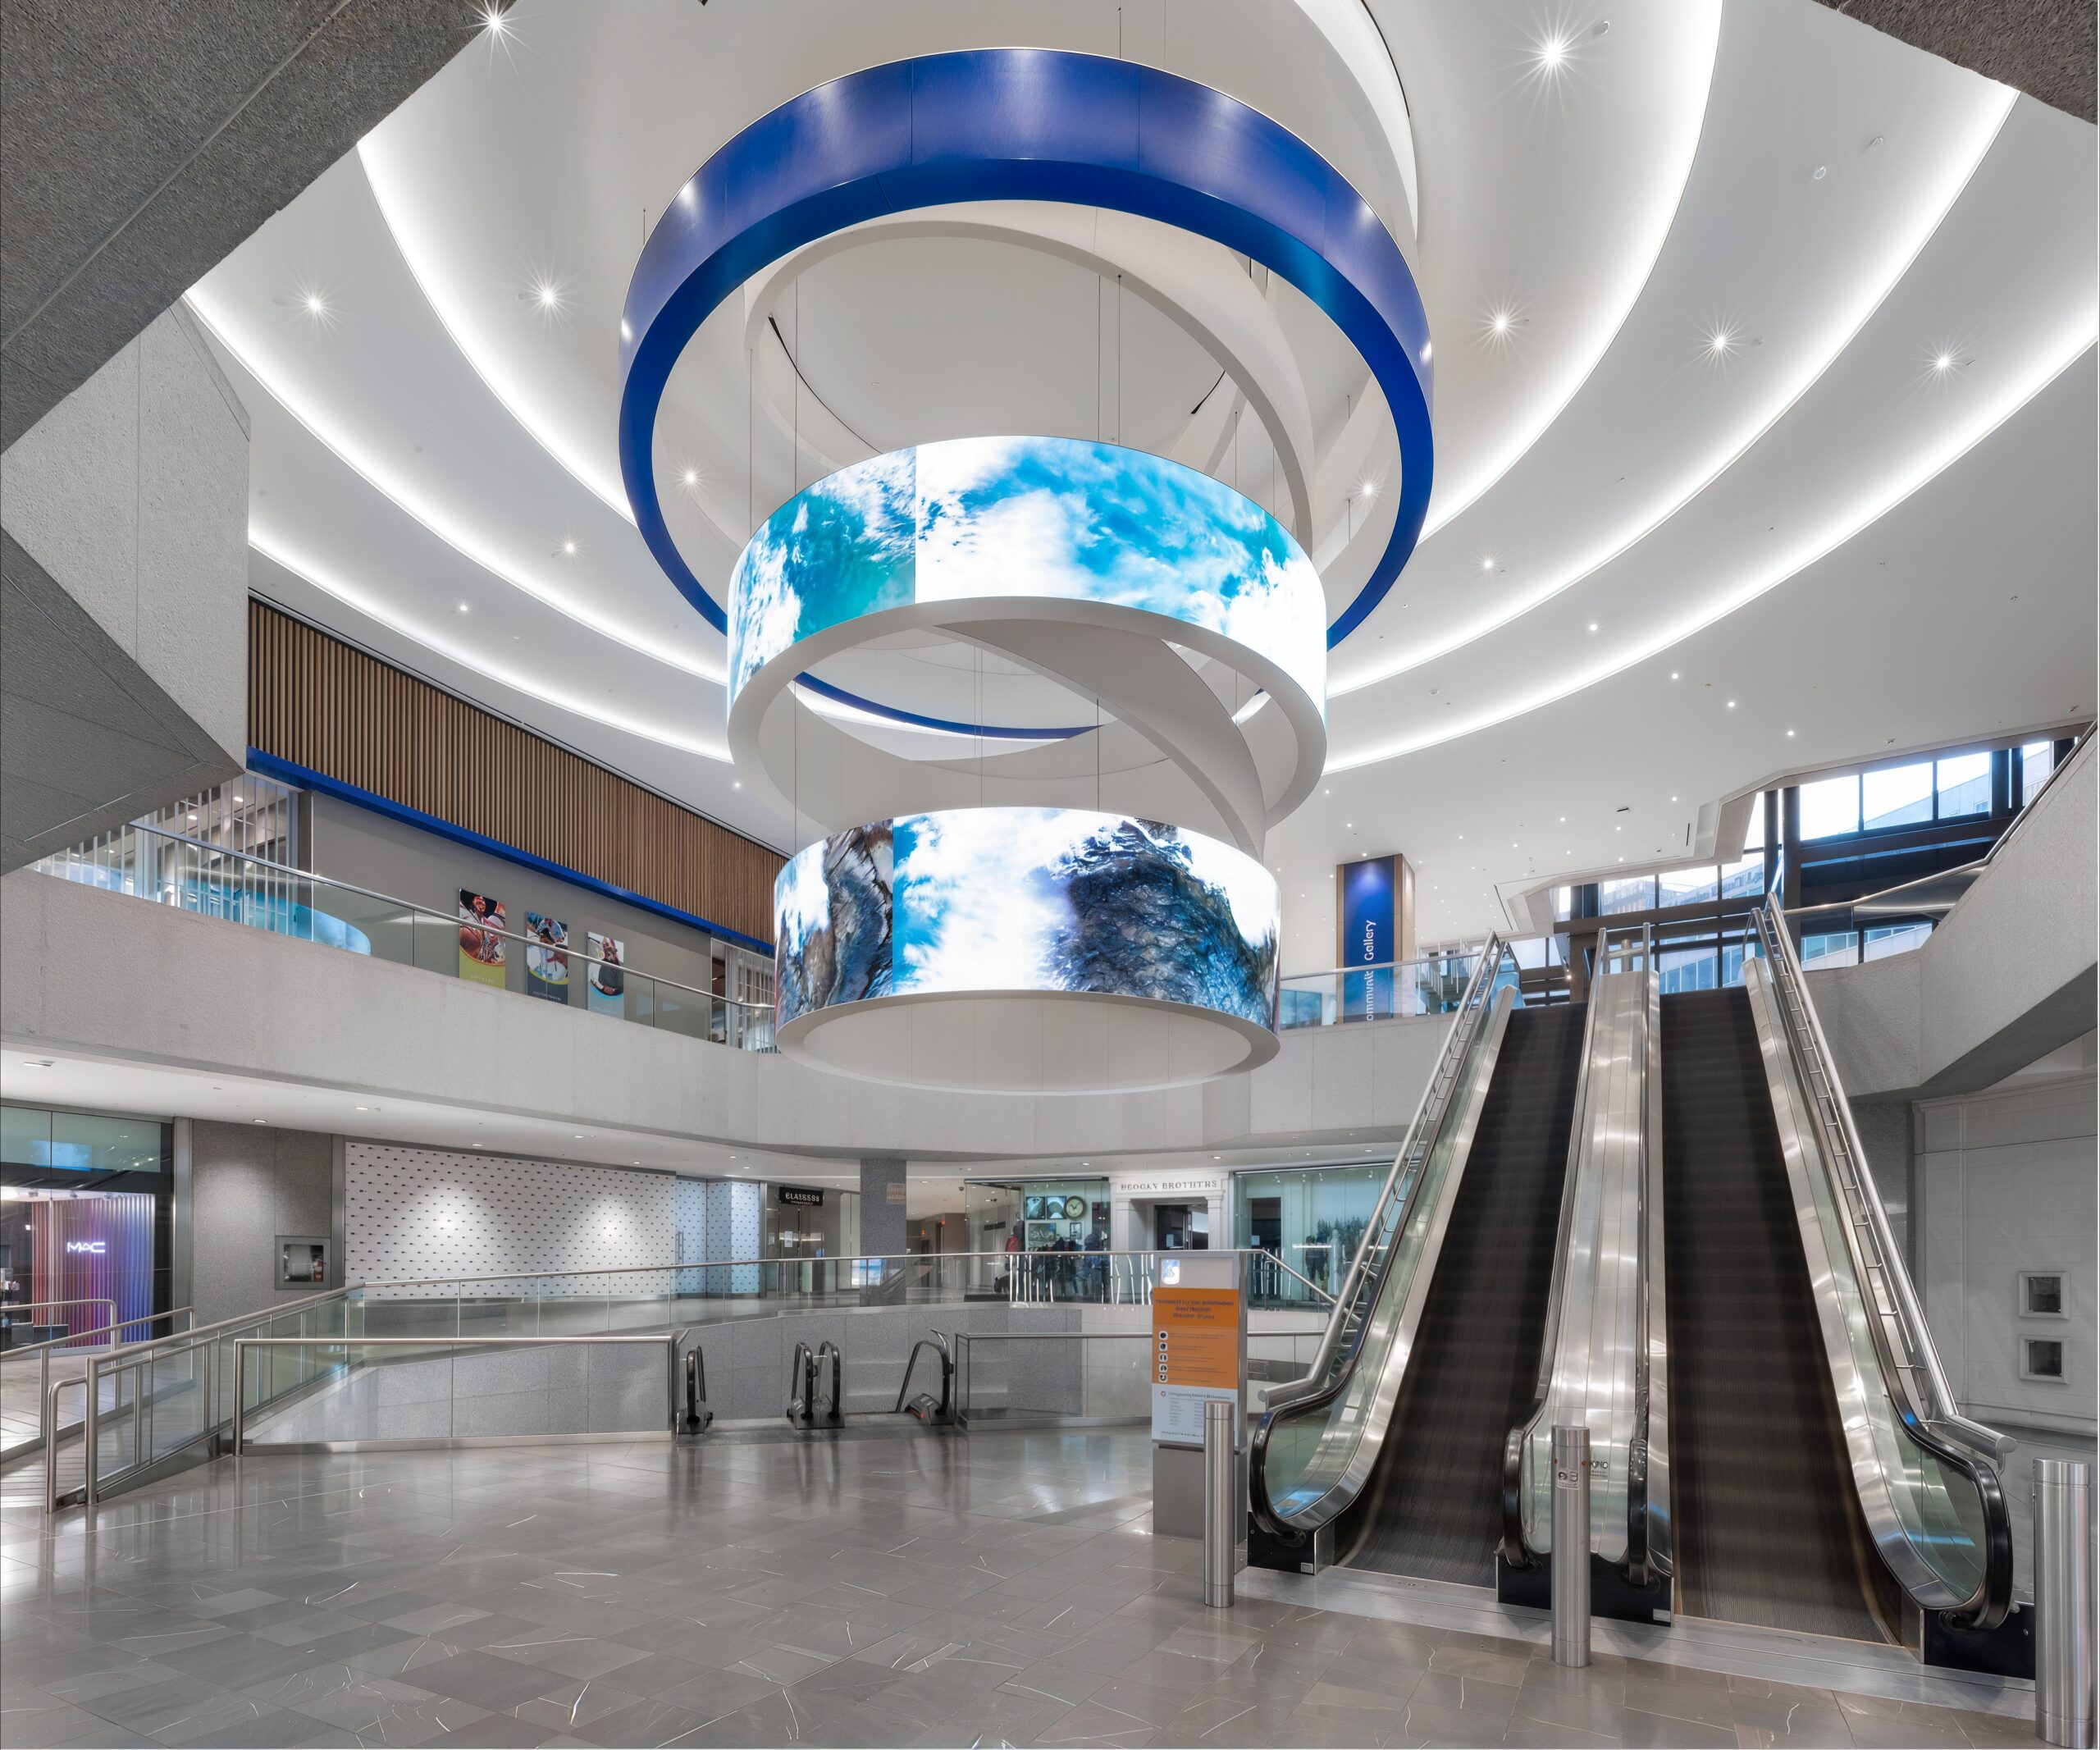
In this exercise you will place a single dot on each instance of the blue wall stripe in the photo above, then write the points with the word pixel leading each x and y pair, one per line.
pixel 271 766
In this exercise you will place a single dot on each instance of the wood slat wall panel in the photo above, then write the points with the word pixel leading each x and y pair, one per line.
pixel 334 708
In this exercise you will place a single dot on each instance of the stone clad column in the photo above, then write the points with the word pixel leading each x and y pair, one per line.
pixel 882 1209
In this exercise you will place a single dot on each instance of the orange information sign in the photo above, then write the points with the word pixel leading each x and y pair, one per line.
pixel 1196 1337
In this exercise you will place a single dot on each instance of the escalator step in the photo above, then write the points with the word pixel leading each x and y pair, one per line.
pixel 1433 1507
pixel 1765 1523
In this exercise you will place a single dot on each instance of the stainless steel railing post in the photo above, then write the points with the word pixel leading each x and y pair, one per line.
pixel 239 1396
pixel 90 1427
pixel 1223 1514
pixel 2063 1602
pixel 1571 1546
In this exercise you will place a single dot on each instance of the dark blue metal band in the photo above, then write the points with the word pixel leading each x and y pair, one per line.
pixel 289 771
pixel 1025 124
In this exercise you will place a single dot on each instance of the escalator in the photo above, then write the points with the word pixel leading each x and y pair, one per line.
pixel 1433 1508
pixel 1651 1217
pixel 1768 1529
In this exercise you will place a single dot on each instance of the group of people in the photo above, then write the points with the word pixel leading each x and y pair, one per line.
pixel 1063 1267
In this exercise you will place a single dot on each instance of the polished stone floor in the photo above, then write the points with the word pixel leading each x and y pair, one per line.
pixel 1002 1588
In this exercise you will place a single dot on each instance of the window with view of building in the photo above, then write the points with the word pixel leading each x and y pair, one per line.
pixel 1898 797
pixel 1965 786
pixel 2036 761
pixel 1832 948
pixel 1686 887
pixel 1829 807
pixel 1637 893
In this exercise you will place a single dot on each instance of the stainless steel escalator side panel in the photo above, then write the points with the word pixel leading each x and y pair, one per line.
pixel 1362 1437
pixel 1840 1312
pixel 1591 1372
pixel 1344 1331
pixel 1654 1419
pixel 1944 1466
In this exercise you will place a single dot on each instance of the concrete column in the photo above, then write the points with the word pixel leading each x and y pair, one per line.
pixel 882 1208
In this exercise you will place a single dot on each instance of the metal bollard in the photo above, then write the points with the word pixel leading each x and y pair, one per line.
pixel 1571 1546
pixel 2063 1602
pixel 1222 1512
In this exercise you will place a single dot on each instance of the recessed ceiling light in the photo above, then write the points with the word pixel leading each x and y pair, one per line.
pixel 364 1108
pixel 1499 322
pixel 1732 705
pixel 1552 51
pixel 464 608
pixel 492 19
pixel 1368 488
pixel 1790 732
pixel 1719 341
pixel 315 304
pixel 1593 625
pixel 1487 563
pixel 1944 362
pixel 254 1120
pixel 569 547
pixel 692 476
pixel 1820 172
pixel 193 817
pixel 1673 674
pixel 545 295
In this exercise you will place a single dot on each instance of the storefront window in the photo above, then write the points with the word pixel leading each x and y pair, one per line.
pixel 1309 1220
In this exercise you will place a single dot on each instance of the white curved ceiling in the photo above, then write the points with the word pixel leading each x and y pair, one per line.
pixel 1792 392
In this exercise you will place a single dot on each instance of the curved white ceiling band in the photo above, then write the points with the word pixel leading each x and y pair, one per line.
pixel 419 508
pixel 1733 450
pixel 1441 509
pixel 272 549
pixel 422 263
pixel 1226 316
pixel 1804 555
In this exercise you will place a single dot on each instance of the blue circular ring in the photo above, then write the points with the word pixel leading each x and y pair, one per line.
pixel 1023 124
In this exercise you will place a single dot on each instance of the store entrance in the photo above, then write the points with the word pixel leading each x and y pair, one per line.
pixel 1181 1227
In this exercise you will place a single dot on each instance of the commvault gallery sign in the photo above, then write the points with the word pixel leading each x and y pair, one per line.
pixel 1374 928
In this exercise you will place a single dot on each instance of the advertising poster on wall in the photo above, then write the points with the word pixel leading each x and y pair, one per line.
pixel 546 966
pixel 481 944
pixel 606 991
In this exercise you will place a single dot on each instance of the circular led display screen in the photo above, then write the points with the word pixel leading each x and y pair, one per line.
pixel 1056 519
pixel 1011 912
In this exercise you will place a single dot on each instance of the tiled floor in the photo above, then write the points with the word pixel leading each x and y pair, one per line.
pixel 1004 1588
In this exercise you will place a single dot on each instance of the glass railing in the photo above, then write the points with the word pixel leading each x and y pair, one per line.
pixel 154 1398
pixel 1394 991
pixel 148 863
pixel 1313 1449
pixel 1080 1379
pixel 601 1387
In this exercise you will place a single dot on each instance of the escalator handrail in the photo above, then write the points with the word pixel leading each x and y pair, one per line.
pixel 1325 1392
pixel 1513 1549
pixel 1937 1425
pixel 939 1344
pixel 1429 1109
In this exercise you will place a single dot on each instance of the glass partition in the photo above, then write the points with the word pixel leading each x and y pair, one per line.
pixel 1315 1452
pixel 217 881
pixel 1301 1226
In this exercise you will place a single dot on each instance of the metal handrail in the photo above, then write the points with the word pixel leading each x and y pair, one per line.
pixel 32 1306
pixel 939 1344
pixel 740 1263
pixel 1484 969
pixel 81 1336
pixel 1384 966
pixel 288 872
pixel 242 1345
pixel 1936 1424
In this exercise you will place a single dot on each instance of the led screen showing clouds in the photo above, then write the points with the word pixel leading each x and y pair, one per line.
pixel 984 900
pixel 1046 517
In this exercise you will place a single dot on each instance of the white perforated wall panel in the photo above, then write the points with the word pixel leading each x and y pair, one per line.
pixel 425 1212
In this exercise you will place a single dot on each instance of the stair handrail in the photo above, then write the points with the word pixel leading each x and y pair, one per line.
pixel 1915 1378
pixel 1428 1113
